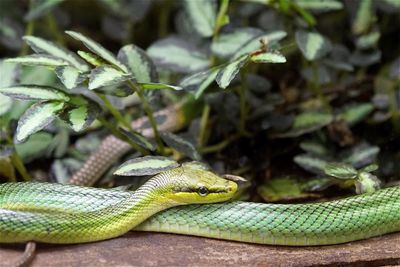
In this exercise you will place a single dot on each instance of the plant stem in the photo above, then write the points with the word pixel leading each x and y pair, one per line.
pixel 219 146
pixel 55 31
pixel 219 22
pixel 163 18
pixel 203 125
pixel 117 115
pixel 317 88
pixel 149 112
pixel 18 163
pixel 114 130
pixel 28 31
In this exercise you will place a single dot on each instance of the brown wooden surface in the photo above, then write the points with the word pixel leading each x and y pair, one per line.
pixel 153 249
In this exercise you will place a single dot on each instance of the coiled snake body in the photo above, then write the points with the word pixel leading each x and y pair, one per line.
pixel 71 214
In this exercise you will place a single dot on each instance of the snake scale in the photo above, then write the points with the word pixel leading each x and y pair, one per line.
pixel 71 214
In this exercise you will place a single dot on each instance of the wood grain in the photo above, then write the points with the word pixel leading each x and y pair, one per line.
pixel 154 249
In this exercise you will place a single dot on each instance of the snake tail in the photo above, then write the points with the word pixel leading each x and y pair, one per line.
pixel 333 222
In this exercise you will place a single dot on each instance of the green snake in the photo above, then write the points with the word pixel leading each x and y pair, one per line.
pixel 56 213
pixel 72 214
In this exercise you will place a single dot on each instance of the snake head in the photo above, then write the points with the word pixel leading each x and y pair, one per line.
pixel 189 185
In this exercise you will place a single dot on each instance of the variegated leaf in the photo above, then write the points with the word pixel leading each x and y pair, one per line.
pixel 40 45
pixel 138 63
pixel 312 44
pixel 156 86
pixel 148 165
pixel 199 82
pixel 40 8
pixel 69 76
pixel 202 15
pixel 5 104
pixel 98 49
pixel 228 43
pixel 36 118
pixel 180 144
pixel 39 60
pixel 307 122
pixel 268 57
pixel 229 72
pixel 320 5
pixel 91 58
pixel 254 44
pixel 82 117
pixel 340 170
pixel 139 139
pixel 175 54
pixel 314 164
pixel 361 155
pixel 34 92
pixel 104 76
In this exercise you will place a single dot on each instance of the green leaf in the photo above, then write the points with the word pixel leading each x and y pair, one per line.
pixel 228 43
pixel 254 44
pixel 148 165
pixel 35 147
pixel 138 63
pixel 369 168
pixel 69 76
pixel 320 5
pixel 5 104
pixel 283 189
pixel 105 76
pixel 180 144
pixel 314 148
pixel 98 49
pixel 34 92
pixel 340 171
pixel 157 86
pixel 228 73
pixel 393 3
pixel 36 118
pixel 364 16
pixel 356 113
pixel 9 73
pixel 308 122
pixel 39 8
pixel 199 82
pixel 268 57
pixel 139 139
pixel 202 15
pixel 39 60
pixel 177 55
pixel 314 164
pixel 369 40
pixel 361 155
pixel 312 44
pixel 40 45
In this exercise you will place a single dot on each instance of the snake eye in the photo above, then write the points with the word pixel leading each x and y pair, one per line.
pixel 203 191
